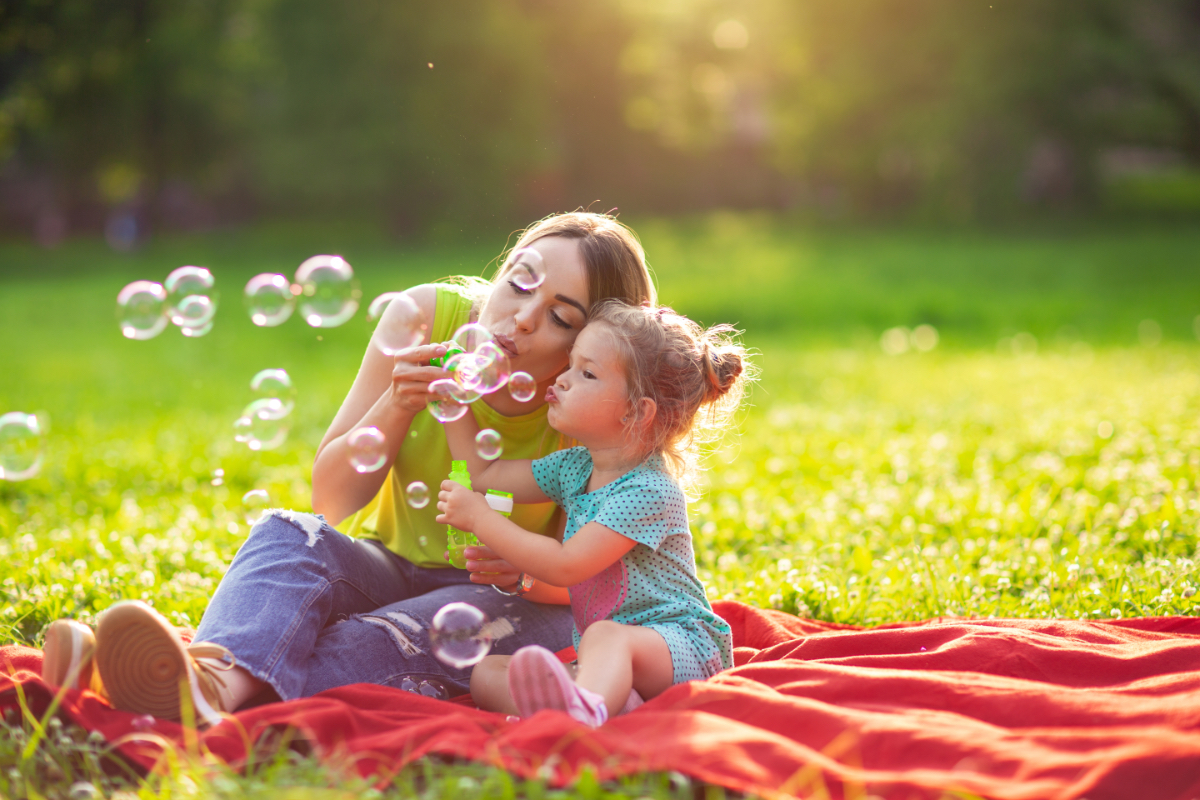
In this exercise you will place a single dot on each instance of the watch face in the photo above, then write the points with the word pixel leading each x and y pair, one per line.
pixel 526 582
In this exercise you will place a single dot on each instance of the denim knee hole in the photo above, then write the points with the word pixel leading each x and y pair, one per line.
pixel 310 524
pixel 395 623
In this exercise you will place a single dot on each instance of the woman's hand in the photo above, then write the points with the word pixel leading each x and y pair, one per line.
pixel 411 376
pixel 487 567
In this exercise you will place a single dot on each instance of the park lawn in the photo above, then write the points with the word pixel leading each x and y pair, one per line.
pixel 1041 461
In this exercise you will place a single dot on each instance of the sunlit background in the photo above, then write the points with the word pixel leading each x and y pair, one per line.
pixel 143 116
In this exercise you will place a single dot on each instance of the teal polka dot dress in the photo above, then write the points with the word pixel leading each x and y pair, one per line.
pixel 653 585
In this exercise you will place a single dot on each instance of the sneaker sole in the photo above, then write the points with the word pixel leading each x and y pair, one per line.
pixel 537 680
pixel 142 661
pixel 68 652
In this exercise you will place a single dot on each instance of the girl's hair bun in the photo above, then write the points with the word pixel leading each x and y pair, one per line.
pixel 723 365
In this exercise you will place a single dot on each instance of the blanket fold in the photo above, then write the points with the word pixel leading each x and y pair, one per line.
pixel 998 708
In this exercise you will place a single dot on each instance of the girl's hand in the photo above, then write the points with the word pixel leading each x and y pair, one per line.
pixel 460 506
pixel 411 376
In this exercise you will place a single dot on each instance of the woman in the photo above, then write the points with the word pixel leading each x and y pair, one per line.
pixel 304 607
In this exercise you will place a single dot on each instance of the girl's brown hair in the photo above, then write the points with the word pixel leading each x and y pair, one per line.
pixel 696 377
pixel 612 255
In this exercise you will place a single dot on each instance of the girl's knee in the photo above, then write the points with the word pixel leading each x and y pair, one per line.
pixel 603 630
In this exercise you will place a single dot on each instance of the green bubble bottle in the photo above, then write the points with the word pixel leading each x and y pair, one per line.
pixel 452 350
pixel 457 541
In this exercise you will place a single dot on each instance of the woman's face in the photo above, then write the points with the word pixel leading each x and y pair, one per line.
pixel 537 327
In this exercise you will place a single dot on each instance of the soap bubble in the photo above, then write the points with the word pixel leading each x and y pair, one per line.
pixel 197 331
pixel 270 299
pixel 494 370
pixel 368 449
pixel 433 688
pixel 527 269
pixel 144 722
pixel 459 635
pixel 263 425
pixel 522 387
pixel 142 310
pixel 401 324
pixel 488 444
pixel 20 446
pixel 254 502
pixel 191 297
pixel 328 291
pixel 194 313
pixel 409 684
pixel 417 494
pixel 465 369
pixel 275 383
pixel 470 336
pixel 447 400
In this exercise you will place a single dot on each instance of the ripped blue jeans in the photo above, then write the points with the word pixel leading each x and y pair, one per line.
pixel 305 608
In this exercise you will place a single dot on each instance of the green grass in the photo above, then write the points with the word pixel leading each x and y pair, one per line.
pixel 1041 461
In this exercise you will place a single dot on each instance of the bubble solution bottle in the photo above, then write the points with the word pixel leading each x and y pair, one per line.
pixel 452 349
pixel 456 540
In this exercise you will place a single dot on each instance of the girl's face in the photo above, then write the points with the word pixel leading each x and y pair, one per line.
pixel 537 327
pixel 590 400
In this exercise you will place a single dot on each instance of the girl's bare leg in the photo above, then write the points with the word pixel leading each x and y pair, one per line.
pixel 614 658
pixel 489 685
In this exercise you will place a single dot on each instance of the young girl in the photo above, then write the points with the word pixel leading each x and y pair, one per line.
pixel 641 385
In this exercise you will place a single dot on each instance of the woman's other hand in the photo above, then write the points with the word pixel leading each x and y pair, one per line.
pixel 486 566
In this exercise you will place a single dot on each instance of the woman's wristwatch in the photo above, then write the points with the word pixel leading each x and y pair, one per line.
pixel 520 588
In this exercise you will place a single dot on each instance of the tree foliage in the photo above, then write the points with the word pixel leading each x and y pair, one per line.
pixel 415 113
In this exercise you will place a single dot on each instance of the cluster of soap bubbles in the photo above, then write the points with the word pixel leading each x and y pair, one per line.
pixel 265 422
pixel 20 445
pixel 187 299
pixel 476 365
pixel 324 288
pixel 460 635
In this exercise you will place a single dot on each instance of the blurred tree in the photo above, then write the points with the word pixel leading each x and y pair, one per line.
pixel 418 115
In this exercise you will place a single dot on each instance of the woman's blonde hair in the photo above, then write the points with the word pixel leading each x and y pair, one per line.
pixel 697 378
pixel 612 255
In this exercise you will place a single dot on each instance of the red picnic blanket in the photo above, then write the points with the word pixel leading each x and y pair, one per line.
pixel 999 708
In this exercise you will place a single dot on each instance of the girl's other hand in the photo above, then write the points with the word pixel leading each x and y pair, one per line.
pixel 487 567
pixel 411 376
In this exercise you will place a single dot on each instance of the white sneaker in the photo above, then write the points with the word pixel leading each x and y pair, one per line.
pixel 538 680
pixel 146 667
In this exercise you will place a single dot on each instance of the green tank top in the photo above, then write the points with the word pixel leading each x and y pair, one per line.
pixel 425 456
